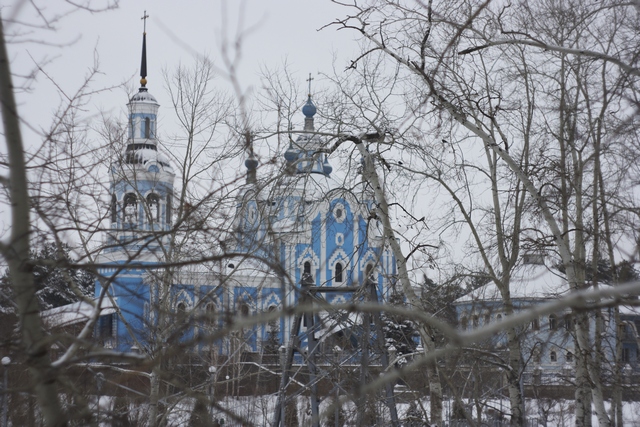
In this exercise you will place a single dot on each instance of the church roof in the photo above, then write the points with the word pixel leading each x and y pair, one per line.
pixel 144 96
pixel 145 156
pixel 529 281
pixel 77 312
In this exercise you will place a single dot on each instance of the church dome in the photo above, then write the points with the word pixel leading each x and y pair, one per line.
pixel 291 154
pixel 251 163
pixel 144 96
pixel 309 110
pixel 146 157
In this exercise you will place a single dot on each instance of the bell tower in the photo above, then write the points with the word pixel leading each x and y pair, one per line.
pixel 141 179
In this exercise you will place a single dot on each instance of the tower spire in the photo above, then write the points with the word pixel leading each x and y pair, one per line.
pixel 143 63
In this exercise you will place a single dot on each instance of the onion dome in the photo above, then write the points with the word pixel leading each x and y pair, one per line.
pixel 309 110
pixel 251 163
pixel 291 154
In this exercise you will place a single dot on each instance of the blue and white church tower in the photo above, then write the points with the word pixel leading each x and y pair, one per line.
pixel 141 191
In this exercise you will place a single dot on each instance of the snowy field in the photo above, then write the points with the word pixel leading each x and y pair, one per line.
pixel 258 411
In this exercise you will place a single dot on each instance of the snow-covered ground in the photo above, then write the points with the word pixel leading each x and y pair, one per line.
pixel 258 411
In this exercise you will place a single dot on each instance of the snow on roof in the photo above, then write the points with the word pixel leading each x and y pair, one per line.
pixel 77 312
pixel 334 322
pixel 630 310
pixel 530 281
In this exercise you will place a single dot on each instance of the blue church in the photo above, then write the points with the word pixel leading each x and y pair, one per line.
pixel 303 228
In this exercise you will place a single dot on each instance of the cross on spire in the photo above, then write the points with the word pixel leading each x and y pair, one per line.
pixel 144 18
pixel 143 63
pixel 309 80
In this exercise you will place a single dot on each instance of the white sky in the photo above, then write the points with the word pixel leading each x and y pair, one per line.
pixel 273 32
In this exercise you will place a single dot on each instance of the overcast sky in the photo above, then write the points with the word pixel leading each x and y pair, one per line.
pixel 273 32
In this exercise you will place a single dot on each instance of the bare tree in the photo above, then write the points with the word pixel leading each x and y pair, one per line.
pixel 534 112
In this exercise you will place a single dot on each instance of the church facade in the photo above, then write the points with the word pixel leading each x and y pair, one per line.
pixel 302 228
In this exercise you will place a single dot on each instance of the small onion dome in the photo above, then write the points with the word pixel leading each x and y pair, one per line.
pixel 309 110
pixel 251 163
pixel 290 155
pixel 326 167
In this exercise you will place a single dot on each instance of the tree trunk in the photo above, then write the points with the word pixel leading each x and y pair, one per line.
pixel 16 254
pixel 371 177
pixel 516 400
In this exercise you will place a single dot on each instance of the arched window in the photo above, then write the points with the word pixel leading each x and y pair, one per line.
pixel 181 310
pixel 244 309
pixel 464 323
pixel 114 209
pixel 339 272
pixel 476 321
pixel 499 317
pixel 106 326
pixel 147 127
pixel 487 318
pixel 553 322
pixel 568 322
pixel 368 272
pixel 553 356
pixel 535 324
pixel 272 326
pixel 153 204
pixel 569 357
pixel 169 208
pixel 537 376
pixel 307 267
pixel 130 208
pixel 210 314
pixel 537 356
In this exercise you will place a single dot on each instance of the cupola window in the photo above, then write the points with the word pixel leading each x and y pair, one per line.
pixel 130 208
pixel 147 131
pixel 114 209
pixel 169 207
pixel 153 204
